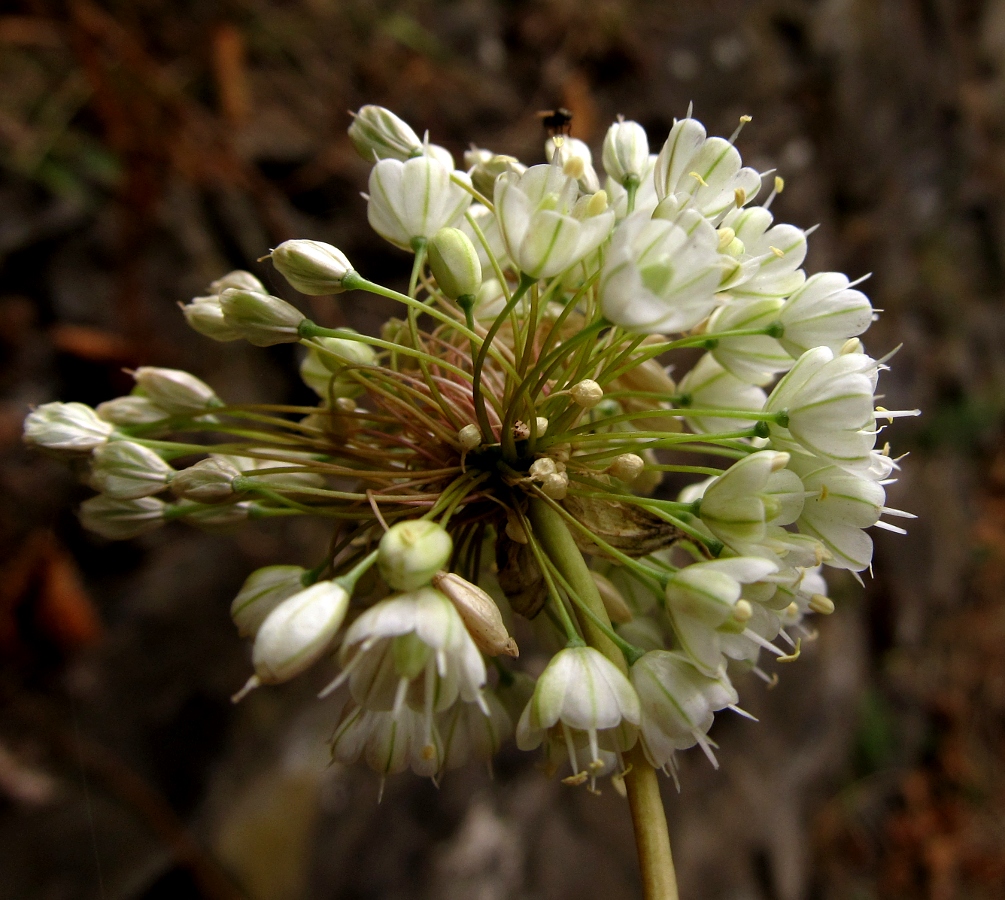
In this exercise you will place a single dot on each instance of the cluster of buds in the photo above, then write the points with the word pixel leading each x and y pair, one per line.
pixel 496 452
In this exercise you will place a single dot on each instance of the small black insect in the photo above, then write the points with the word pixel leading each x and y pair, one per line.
pixel 556 121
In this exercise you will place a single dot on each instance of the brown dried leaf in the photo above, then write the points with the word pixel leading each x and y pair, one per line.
pixel 520 577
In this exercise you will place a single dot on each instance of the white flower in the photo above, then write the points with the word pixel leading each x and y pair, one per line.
pixel 312 267
pixel 829 404
pixel 841 504
pixel 261 319
pixel 702 597
pixel 659 277
pixel 376 131
pixel 66 427
pixel 581 691
pixel 700 172
pixel 708 386
pixel 119 520
pixel 678 704
pixel 414 199
pixel 298 632
pixel 467 733
pixel 412 647
pixel 178 392
pixel 755 357
pixel 126 470
pixel 389 742
pixel 626 151
pixel 753 492
pixel 131 410
pixel 771 255
pixel 546 227
pixel 825 312
pixel 575 159
pixel 263 590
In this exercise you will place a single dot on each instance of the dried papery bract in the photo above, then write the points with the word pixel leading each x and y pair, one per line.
pixel 490 453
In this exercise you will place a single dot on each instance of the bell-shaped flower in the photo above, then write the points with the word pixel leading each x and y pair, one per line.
pixel 770 257
pixel 178 392
pixel 414 199
pixel 825 312
pixel 658 277
pixel 678 704
pixel 66 428
pixel 829 403
pixel 119 520
pixel 413 647
pixel 754 358
pixel 701 598
pixel 838 507
pixel 388 741
pixel 546 226
pixel 126 470
pixel 702 173
pixel 470 735
pixel 580 691
pixel 755 491
pixel 709 386
pixel 263 590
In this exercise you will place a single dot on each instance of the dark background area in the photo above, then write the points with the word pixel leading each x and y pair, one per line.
pixel 147 147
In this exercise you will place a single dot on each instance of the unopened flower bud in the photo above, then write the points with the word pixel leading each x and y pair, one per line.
pixel 627 467
pixel 218 517
pixel 541 423
pixel 262 591
pixel 821 604
pixel 341 352
pixel 454 263
pixel 514 528
pixel 345 405
pixel 469 437
pixel 240 279
pixel 587 393
pixel 485 173
pixel 66 427
pixel 261 319
pixel 121 519
pixel 126 470
pixel 208 481
pixel 312 267
pixel 412 552
pixel 476 155
pixel 175 391
pixel 480 614
pixel 555 485
pixel 626 151
pixel 205 315
pixel 131 410
pixel 617 607
pixel 542 468
pixel 296 634
pixel 378 131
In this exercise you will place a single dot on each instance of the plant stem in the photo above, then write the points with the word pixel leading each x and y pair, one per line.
pixel 652 838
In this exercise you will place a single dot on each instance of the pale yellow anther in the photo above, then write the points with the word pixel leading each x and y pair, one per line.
pixel 574 167
pixel 824 493
pixel 576 780
pixel 428 752
pixel 792 610
pixel 821 604
pixel 726 237
pixel 743 611
pixel 852 345
pixel 745 119
pixel 779 184
pixel 882 409
pixel 777 252
pixel 794 655
pixel 698 178
pixel 780 461
pixel 740 195
pixel 597 204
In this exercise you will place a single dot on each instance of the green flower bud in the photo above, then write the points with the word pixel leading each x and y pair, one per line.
pixel 262 591
pixel 208 481
pixel 312 267
pixel 454 262
pixel 412 552
pixel 261 319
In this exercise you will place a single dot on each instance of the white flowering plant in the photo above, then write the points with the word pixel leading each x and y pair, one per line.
pixel 496 452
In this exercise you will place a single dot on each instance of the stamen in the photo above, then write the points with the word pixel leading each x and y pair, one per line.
pixel 742 712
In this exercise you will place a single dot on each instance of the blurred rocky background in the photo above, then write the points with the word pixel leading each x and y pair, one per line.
pixel 148 146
